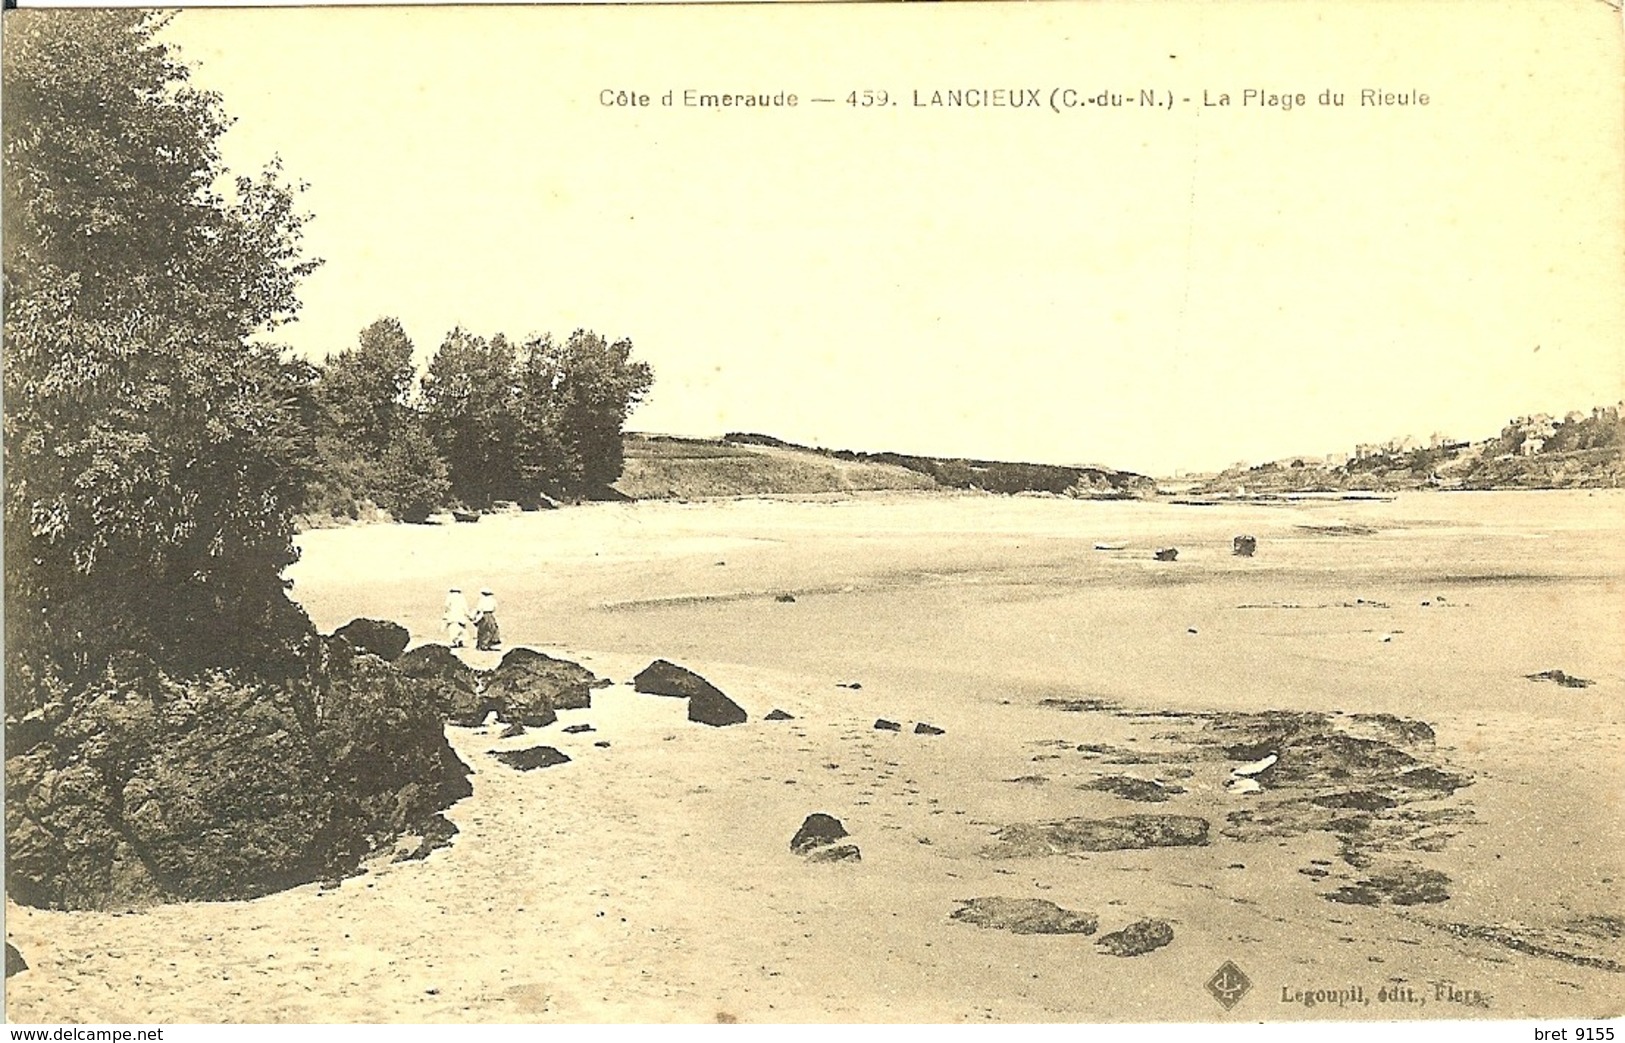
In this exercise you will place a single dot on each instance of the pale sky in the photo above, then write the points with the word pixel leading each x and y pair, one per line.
pixel 1150 289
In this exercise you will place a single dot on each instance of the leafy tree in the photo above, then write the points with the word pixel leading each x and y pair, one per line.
pixel 468 402
pixel 597 385
pixel 370 441
pixel 363 389
pixel 153 449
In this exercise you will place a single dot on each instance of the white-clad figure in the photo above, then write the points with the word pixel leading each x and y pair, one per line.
pixel 487 635
pixel 456 617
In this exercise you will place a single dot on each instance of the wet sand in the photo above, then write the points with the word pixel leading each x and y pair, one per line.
pixel 651 880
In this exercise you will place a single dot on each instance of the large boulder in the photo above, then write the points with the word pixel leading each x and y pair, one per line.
pixel 665 678
pixel 715 709
pixel 380 637
pixel 706 703
pixel 449 683
pixel 528 686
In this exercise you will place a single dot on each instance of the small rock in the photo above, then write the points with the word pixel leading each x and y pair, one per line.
pixel 532 758
pixel 577 729
pixel 1166 554
pixel 778 715
pixel 921 728
pixel 15 964
pixel 818 829
pixel 604 743
pixel 848 684
pixel 887 726
pixel 1138 938
pixel 512 730
pixel 1243 546
pixel 835 853
pixel 1559 677
pixel 786 599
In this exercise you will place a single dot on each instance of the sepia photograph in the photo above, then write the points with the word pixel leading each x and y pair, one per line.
pixel 787 514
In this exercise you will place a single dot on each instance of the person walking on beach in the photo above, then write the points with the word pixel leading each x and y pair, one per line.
pixel 456 617
pixel 487 635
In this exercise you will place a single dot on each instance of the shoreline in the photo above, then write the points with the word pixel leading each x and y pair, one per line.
pixel 965 613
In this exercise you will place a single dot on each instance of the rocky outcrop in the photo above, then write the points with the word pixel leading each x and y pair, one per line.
pixel 453 684
pixel 380 637
pixel 1126 832
pixel 155 788
pixel 1024 916
pixel 1137 938
pixel 1131 788
pixel 15 964
pixel 1403 884
pixel 526 681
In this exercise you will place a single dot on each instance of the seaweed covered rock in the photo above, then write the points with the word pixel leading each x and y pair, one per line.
pixel 1129 787
pixel 380 637
pixel 1024 916
pixel 158 788
pixel 1123 833
pixel 528 686
pixel 1137 938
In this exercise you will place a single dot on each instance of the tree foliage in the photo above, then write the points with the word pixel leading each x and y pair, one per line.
pixel 542 417
pixel 153 449
pixel 370 442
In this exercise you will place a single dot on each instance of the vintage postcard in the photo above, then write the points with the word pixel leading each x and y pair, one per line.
pixel 1096 513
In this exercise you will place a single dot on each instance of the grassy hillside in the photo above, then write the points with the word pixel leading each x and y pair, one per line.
pixel 660 467
pixel 665 467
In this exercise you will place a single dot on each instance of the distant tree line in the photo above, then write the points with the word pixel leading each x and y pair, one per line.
pixel 490 419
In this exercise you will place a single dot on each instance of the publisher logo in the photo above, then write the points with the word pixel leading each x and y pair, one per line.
pixel 1228 985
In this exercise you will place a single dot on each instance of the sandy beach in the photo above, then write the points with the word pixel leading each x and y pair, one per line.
pixel 651 878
